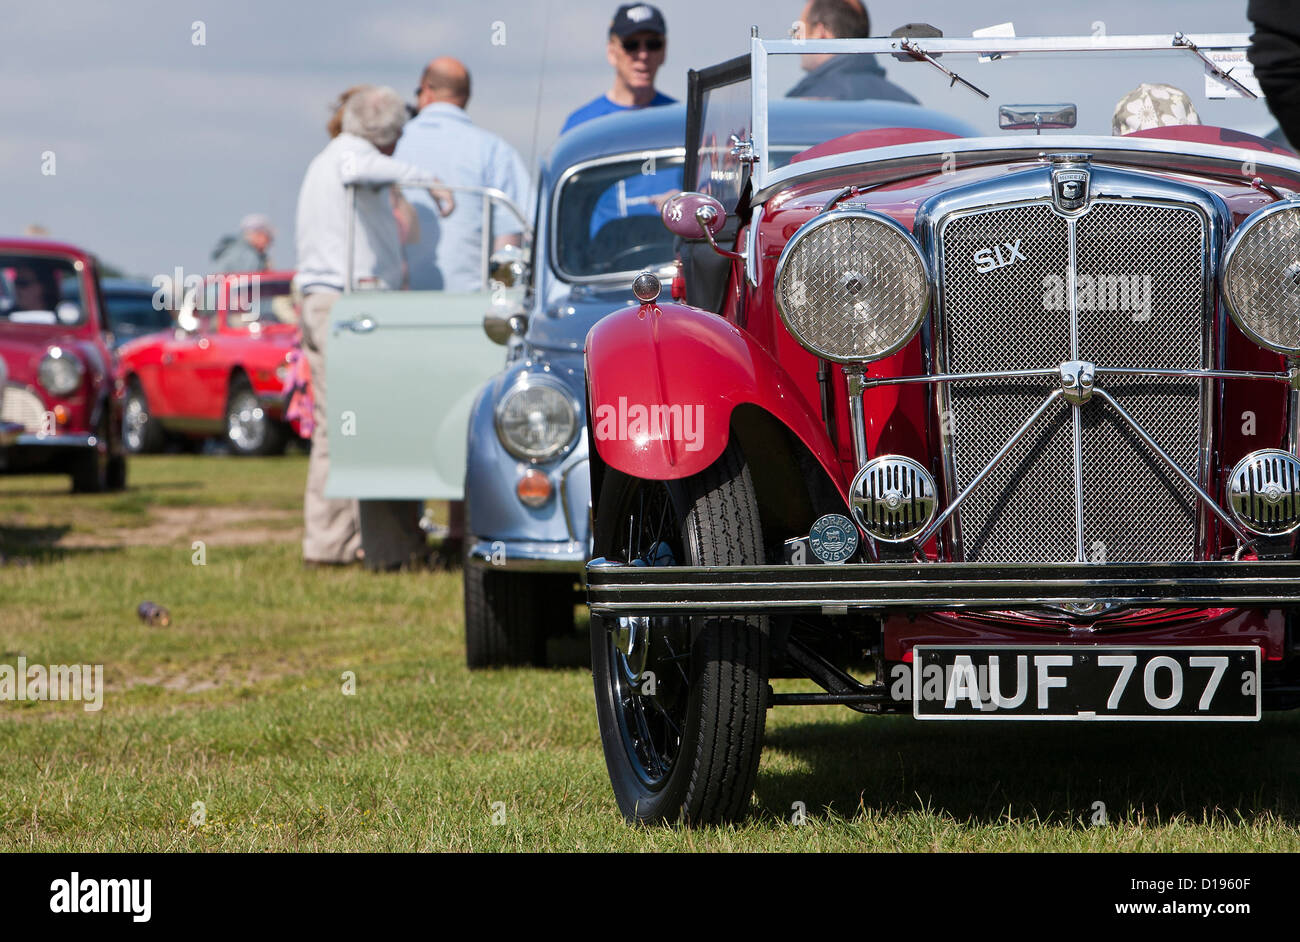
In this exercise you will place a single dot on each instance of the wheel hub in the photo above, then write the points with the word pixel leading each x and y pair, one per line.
pixel 246 421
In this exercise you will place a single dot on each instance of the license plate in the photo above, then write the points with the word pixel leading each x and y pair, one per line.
pixel 1180 684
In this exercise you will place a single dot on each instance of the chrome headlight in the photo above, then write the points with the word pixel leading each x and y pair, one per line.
pixel 852 286
pixel 537 419
pixel 1261 277
pixel 60 371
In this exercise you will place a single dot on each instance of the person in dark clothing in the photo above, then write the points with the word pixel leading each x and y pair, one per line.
pixel 1275 54
pixel 846 77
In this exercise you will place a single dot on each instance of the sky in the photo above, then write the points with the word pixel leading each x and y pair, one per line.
pixel 159 143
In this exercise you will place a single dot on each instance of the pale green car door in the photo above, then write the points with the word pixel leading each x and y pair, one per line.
pixel 404 370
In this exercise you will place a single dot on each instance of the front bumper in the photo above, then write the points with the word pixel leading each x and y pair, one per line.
pixel 528 555
pixel 618 589
pixel 56 441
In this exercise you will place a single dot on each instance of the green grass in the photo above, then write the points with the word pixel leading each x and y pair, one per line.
pixel 238 704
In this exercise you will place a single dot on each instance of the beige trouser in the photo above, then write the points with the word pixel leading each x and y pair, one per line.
pixel 331 527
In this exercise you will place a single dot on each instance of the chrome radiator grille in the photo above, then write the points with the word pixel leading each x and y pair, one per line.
pixel 23 406
pixel 1138 282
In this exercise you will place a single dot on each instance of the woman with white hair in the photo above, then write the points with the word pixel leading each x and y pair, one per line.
pixel 372 121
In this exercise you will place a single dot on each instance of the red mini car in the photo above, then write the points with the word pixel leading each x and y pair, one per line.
pixel 61 407
pixel 221 372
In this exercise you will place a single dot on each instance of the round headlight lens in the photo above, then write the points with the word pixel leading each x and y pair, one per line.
pixel 1261 277
pixel 59 372
pixel 536 419
pixel 852 286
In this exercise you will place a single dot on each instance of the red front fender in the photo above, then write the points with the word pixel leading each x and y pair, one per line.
pixel 663 380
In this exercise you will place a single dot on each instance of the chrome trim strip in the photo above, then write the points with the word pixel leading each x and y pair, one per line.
pixel 883 164
pixel 758 130
pixel 751 246
pixel 529 556
pixel 930 586
pixel 55 441
pixel 1118 370
pixel 1141 42
pixel 1020 433
pixel 1076 413
pixel 564 496
pixel 1173 465
pixel 857 415
pixel 1076 418
pixel 1293 410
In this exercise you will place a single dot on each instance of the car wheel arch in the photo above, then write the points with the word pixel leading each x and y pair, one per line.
pixel 790 483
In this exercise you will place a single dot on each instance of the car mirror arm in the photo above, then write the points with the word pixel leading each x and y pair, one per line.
pixel 705 216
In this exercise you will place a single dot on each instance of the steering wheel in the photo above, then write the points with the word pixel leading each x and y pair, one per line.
pixel 616 261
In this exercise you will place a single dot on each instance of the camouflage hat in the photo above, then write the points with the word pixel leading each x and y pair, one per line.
pixel 1153 106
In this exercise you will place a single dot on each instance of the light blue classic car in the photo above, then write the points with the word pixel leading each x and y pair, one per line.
pixel 526 482
pixel 597 227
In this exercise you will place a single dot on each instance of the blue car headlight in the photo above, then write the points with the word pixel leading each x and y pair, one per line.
pixel 537 419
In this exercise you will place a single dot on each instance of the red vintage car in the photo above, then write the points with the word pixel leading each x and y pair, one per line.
pixel 221 372
pixel 997 426
pixel 62 408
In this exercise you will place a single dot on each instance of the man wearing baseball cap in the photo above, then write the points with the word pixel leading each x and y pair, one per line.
pixel 638 40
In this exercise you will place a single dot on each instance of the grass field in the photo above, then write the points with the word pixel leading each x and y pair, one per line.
pixel 239 705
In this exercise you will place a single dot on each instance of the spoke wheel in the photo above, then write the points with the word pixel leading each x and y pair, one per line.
pixel 681 699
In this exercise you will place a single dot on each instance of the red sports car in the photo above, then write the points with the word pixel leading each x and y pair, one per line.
pixel 221 372
pixel 61 411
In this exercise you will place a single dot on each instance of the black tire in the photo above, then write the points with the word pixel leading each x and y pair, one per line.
pixel 117 473
pixel 509 615
pixel 249 430
pixel 92 469
pixel 142 433
pixel 686 746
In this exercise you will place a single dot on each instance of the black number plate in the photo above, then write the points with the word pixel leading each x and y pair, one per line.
pixel 1184 684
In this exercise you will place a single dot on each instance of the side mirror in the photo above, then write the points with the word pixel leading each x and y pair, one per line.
pixel 508 265
pixel 504 319
pixel 692 215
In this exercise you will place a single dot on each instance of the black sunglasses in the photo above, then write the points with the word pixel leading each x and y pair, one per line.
pixel 633 46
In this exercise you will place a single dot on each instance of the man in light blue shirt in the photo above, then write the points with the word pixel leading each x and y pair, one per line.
pixel 442 140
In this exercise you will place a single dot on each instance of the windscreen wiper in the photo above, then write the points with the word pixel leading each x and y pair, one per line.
pixel 920 55
pixel 1222 75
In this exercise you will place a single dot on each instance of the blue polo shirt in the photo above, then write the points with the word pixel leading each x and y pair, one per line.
pixel 599 107
pixel 442 141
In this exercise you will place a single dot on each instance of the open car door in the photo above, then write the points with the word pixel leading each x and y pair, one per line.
pixel 405 368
